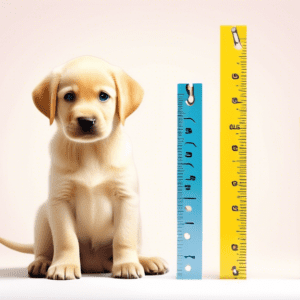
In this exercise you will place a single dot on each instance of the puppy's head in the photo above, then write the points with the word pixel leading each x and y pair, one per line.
pixel 87 96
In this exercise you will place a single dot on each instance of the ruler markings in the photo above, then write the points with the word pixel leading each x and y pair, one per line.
pixel 233 153
pixel 189 183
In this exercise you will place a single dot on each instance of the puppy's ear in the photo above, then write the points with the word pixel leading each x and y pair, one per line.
pixel 130 94
pixel 44 95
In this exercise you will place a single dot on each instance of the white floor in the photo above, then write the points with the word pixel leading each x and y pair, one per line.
pixel 15 284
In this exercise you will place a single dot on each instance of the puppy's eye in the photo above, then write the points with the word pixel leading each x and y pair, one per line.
pixel 103 97
pixel 69 97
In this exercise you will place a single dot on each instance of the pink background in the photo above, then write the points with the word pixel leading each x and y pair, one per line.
pixel 161 43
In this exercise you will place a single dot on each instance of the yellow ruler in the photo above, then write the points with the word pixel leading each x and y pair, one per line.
pixel 233 183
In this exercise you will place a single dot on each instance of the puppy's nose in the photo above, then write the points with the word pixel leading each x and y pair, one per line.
pixel 86 123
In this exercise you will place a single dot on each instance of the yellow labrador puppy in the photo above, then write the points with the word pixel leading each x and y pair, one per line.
pixel 91 221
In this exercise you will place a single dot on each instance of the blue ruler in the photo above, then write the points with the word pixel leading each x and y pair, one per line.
pixel 189 182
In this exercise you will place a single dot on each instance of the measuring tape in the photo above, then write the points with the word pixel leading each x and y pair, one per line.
pixel 189 182
pixel 233 181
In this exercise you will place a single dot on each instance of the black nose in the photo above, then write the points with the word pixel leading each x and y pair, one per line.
pixel 86 124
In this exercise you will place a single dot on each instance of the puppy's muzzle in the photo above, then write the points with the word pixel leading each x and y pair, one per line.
pixel 86 124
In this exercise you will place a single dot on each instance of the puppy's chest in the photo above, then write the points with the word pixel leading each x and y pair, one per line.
pixel 93 185
pixel 92 173
pixel 93 201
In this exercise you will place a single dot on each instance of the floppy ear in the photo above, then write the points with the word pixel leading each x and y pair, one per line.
pixel 44 95
pixel 130 94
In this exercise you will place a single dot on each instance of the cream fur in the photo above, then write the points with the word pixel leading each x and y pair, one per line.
pixel 91 220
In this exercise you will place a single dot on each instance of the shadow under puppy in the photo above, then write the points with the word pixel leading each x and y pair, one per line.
pixel 91 220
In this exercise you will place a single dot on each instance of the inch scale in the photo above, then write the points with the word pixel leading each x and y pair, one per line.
pixel 233 181
pixel 189 182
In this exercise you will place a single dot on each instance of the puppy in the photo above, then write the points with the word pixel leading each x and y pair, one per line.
pixel 91 221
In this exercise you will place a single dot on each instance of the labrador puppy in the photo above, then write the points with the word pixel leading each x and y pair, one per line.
pixel 91 220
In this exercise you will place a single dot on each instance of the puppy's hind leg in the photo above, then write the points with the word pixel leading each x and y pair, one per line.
pixel 43 245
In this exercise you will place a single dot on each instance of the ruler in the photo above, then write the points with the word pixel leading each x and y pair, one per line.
pixel 233 181
pixel 189 182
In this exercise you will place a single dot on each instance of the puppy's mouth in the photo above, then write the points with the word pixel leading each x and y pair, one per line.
pixel 83 134
pixel 86 129
pixel 79 132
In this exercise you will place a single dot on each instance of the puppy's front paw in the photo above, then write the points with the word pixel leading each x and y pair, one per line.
pixel 154 265
pixel 64 272
pixel 128 271
pixel 39 267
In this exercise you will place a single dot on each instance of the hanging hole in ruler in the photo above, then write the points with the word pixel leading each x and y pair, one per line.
pixel 187 236
pixel 188 208
pixel 191 99
pixel 188 268
pixel 236 39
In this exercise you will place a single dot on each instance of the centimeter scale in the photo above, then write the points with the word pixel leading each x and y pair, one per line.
pixel 189 182
pixel 233 181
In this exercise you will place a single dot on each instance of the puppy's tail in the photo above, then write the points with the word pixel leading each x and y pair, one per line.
pixel 17 246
